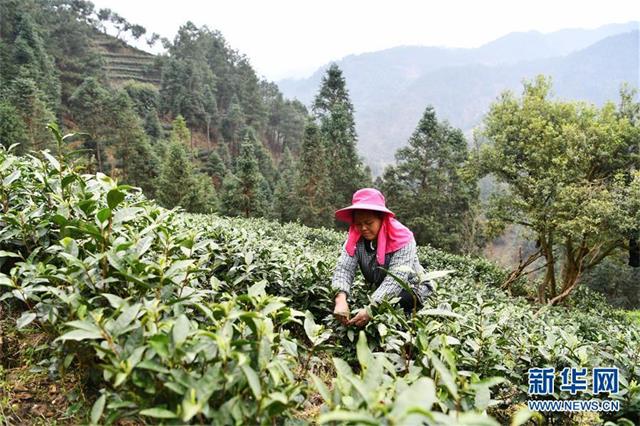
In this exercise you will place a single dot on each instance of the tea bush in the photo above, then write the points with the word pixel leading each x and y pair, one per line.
pixel 187 318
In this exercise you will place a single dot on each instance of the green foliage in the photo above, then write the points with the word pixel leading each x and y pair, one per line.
pixel 233 125
pixel 25 56
pixel 334 111
pixel 429 190
pixel 31 105
pixel 180 134
pixel 265 161
pixel 286 119
pixel 215 167
pixel 314 182
pixel 179 185
pixel 568 168
pixel 204 81
pixel 188 90
pixel 245 192
pixel 145 97
pixel 285 198
pixel 90 105
pixel 198 319
pixel 120 24
pixel 12 128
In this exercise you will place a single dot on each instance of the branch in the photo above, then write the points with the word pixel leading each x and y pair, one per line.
pixel 597 258
pixel 515 274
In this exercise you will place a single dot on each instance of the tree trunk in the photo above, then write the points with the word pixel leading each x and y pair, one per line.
pixel 99 157
pixel 571 270
pixel 208 134
pixel 517 273
pixel 549 281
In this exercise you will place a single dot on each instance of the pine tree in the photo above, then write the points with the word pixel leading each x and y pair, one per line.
pixel 427 188
pixel 334 111
pixel 31 105
pixel 12 129
pixel 285 198
pixel 265 161
pixel 144 167
pixel 28 58
pixel 245 192
pixel 136 161
pixel 233 126
pixel 90 107
pixel 179 131
pixel 201 196
pixel 215 168
pixel 178 184
pixel 175 176
pixel 314 183
pixel 152 125
pixel 225 156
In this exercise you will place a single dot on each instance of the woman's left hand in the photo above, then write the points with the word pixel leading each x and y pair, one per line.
pixel 361 319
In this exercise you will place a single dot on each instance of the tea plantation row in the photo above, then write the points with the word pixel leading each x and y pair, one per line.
pixel 181 318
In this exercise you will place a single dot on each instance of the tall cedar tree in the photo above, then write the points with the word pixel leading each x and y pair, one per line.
pixel 179 131
pixel 178 184
pixel 137 163
pixel 314 181
pixel 285 198
pixel 334 111
pixel 265 161
pixel 31 105
pixel 428 189
pixel 245 192
pixel 90 107
pixel 215 168
pixel 12 129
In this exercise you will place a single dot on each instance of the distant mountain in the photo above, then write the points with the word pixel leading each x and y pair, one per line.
pixel 391 88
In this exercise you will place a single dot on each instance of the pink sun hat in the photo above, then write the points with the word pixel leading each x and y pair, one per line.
pixel 364 199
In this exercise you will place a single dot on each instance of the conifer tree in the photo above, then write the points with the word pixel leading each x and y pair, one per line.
pixel 285 197
pixel 31 105
pixel 215 168
pixel 265 161
pixel 136 162
pixel 27 57
pixel 152 125
pixel 12 128
pixel 179 131
pixel 233 126
pixel 314 183
pixel 427 188
pixel 90 107
pixel 178 184
pixel 225 155
pixel 245 192
pixel 334 111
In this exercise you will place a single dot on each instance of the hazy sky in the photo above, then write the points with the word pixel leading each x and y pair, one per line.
pixel 291 38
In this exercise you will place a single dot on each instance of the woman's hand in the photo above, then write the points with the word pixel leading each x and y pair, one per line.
pixel 361 319
pixel 341 311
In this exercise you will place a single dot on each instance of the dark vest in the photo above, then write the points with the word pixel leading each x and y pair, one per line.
pixel 369 264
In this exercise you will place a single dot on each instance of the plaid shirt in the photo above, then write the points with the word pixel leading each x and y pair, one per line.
pixel 406 256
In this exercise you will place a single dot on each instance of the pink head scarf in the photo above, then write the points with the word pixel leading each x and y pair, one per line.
pixel 392 235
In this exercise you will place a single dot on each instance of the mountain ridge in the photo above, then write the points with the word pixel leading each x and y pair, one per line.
pixel 389 99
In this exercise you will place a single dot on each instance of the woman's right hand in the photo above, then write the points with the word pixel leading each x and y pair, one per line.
pixel 341 311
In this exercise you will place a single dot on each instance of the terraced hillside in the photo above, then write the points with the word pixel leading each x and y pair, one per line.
pixel 123 62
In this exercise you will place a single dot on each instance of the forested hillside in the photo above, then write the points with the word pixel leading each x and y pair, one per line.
pixel 390 88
